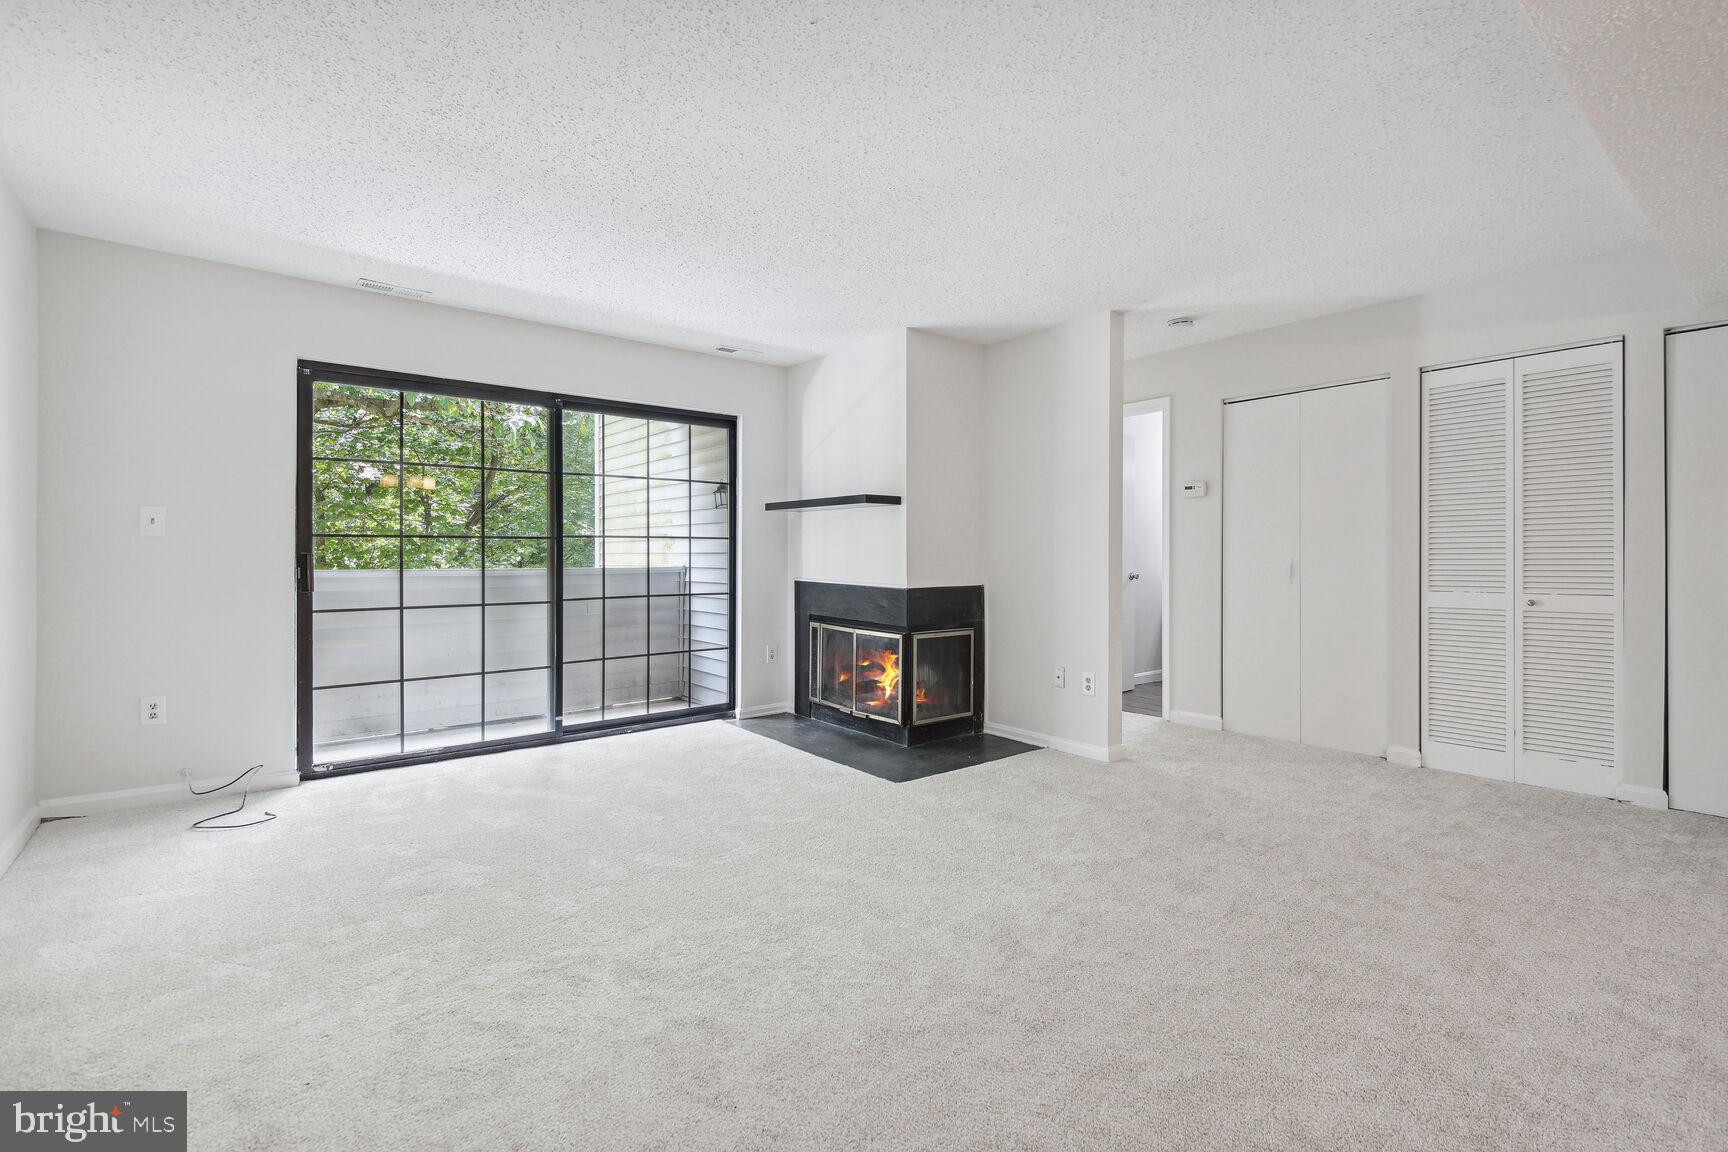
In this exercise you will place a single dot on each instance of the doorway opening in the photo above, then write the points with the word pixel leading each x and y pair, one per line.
pixel 1146 557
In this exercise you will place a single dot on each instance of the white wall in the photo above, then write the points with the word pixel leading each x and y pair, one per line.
pixel 168 380
pixel 847 427
pixel 944 456
pixel 1143 539
pixel 18 416
pixel 897 413
pixel 1053 533
pixel 1632 294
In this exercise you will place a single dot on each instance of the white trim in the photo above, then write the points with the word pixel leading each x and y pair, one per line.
pixel 1148 678
pixel 1274 391
pixel 18 837
pixel 1684 328
pixel 1198 720
pixel 1400 757
pixel 1640 795
pixel 1056 743
pixel 95 803
pixel 1477 360
pixel 764 710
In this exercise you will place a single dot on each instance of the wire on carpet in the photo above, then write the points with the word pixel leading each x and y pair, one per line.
pixel 208 824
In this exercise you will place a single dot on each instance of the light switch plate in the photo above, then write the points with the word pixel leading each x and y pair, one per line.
pixel 152 521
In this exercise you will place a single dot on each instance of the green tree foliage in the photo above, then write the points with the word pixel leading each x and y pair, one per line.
pixel 439 469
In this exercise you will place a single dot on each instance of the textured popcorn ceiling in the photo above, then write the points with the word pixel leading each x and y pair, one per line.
pixel 1653 77
pixel 788 175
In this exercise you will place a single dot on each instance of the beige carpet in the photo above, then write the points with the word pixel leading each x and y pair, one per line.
pixel 698 938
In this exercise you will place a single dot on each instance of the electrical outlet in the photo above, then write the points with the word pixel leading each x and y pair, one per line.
pixel 1061 677
pixel 1086 685
pixel 773 654
pixel 152 521
pixel 152 709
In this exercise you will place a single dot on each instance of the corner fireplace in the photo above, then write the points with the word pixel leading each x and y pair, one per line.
pixel 904 665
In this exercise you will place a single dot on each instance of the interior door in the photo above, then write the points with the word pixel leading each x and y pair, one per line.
pixel 1343 567
pixel 1568 533
pixel 1262 549
pixel 1697 560
pixel 1467 518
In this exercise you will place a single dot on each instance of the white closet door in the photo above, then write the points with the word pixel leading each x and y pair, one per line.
pixel 1343 567
pixel 1467 517
pixel 1697 564
pixel 1568 564
pixel 1262 546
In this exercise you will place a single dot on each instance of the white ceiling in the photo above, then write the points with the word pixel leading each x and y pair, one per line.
pixel 1652 75
pixel 789 175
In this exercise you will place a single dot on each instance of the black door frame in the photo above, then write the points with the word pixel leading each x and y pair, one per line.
pixel 307 372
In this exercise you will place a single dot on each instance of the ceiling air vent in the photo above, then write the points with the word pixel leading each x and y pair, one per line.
pixel 732 351
pixel 391 289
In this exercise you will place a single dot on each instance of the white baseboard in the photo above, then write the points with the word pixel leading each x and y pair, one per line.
pixel 1043 740
pixel 96 803
pixel 1148 678
pixel 1641 796
pixel 1198 720
pixel 18 837
pixel 764 710
pixel 1400 757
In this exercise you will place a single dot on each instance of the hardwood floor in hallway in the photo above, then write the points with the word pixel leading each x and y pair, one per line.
pixel 1145 699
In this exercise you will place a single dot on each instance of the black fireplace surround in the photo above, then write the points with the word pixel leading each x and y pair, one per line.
pixel 905 665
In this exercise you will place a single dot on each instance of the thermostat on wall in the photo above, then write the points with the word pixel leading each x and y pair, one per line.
pixel 1194 489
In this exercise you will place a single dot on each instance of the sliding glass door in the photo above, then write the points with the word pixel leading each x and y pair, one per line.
pixel 647 566
pixel 483 567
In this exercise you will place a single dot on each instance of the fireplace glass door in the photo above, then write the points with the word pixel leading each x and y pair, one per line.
pixel 837 658
pixel 878 676
pixel 941 676
pixel 857 671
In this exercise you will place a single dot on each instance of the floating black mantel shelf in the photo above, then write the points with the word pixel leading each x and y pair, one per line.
pixel 830 502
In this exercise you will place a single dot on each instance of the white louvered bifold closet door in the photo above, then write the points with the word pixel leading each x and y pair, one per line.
pixel 1521 545
pixel 1467 519
pixel 1568 566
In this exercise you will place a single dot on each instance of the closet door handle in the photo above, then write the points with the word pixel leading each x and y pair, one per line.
pixel 1531 603
pixel 1290 571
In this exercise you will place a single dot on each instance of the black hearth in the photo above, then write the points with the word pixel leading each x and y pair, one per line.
pixel 900 664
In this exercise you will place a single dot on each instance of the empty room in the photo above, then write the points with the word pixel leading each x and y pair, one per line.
pixel 752 574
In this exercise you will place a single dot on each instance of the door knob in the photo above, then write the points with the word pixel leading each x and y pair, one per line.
pixel 1133 575
pixel 1530 603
